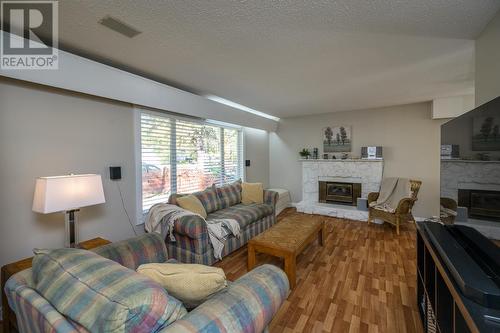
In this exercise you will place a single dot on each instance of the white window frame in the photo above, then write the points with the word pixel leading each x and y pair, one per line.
pixel 138 110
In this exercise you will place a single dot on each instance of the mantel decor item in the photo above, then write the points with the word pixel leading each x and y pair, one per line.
pixel 337 139
pixel 449 152
pixel 371 153
pixel 305 153
pixel 315 153
pixel 68 194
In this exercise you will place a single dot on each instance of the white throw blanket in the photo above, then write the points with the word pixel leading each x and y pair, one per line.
pixel 170 213
pixel 162 217
pixel 392 190
pixel 218 230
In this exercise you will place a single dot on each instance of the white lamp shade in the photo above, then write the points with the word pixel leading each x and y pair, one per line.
pixel 62 193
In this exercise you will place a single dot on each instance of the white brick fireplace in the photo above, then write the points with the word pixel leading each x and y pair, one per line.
pixel 366 172
pixel 472 175
pixel 462 174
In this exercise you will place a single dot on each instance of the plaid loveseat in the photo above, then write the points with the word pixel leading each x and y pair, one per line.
pixel 246 305
pixel 192 243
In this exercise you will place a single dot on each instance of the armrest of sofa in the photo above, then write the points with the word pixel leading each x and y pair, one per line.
pixel 192 226
pixel 270 198
pixel 135 251
pixel 247 305
pixel 33 312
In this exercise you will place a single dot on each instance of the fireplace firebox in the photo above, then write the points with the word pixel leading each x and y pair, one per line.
pixel 481 204
pixel 339 192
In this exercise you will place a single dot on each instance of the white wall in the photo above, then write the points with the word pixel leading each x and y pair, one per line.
pixel 410 138
pixel 46 131
pixel 451 107
pixel 487 80
pixel 257 151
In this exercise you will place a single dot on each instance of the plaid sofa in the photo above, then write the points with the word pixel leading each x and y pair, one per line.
pixel 192 243
pixel 246 305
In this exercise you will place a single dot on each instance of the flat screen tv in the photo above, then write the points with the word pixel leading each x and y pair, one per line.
pixel 470 167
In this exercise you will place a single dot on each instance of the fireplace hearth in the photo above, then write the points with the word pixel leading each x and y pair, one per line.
pixel 481 204
pixel 339 192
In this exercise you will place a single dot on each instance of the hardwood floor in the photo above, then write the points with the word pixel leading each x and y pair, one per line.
pixel 362 280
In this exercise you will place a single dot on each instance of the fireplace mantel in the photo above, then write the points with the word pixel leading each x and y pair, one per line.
pixel 366 172
pixel 467 161
pixel 341 160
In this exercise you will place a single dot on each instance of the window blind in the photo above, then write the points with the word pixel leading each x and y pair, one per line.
pixel 184 156
pixel 156 135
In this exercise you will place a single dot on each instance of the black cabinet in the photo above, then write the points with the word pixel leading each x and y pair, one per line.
pixel 436 297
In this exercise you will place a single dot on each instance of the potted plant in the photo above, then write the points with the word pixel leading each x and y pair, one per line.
pixel 305 153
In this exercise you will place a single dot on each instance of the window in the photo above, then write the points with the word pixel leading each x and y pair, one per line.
pixel 183 156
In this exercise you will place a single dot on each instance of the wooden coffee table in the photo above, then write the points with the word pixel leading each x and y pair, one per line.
pixel 287 240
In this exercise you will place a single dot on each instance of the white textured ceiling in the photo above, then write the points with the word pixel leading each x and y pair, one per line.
pixel 290 58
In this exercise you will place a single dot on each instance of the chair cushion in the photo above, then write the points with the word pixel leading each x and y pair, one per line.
pixel 100 294
pixel 252 193
pixel 191 203
pixel 230 194
pixel 243 214
pixel 190 283
pixel 209 199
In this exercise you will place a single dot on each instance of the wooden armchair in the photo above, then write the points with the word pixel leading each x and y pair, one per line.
pixel 449 204
pixel 403 211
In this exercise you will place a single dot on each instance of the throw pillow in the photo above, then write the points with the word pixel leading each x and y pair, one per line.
pixel 230 194
pixel 252 193
pixel 209 199
pixel 190 283
pixel 100 294
pixel 191 203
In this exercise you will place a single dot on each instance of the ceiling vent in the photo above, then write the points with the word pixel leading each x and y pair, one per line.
pixel 119 26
